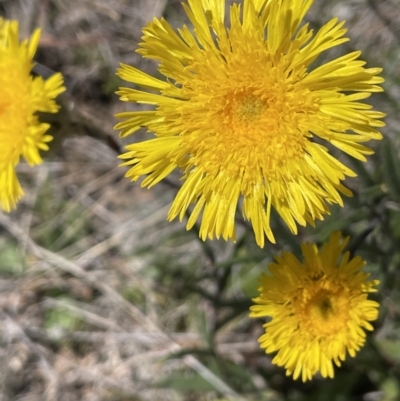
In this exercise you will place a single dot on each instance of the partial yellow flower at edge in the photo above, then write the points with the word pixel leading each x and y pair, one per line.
pixel 238 112
pixel 318 308
pixel 22 96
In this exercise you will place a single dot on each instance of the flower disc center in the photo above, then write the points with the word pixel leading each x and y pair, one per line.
pixel 14 109
pixel 326 312
pixel 248 117
pixel 247 108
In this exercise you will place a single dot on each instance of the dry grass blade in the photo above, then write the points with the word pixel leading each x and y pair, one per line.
pixel 56 261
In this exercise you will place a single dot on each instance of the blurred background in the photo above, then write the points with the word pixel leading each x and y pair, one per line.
pixel 101 299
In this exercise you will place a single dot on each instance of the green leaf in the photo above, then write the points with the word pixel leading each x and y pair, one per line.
pixel 391 168
pixel 337 222
pixel 359 168
pixel 60 317
pixel 188 381
pixel 11 260
pixel 394 219
pixel 390 349
pixel 390 388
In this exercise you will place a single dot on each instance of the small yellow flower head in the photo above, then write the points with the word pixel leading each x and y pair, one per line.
pixel 318 309
pixel 242 114
pixel 21 133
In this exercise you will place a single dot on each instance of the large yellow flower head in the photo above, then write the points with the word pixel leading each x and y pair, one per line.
pixel 21 132
pixel 242 114
pixel 318 309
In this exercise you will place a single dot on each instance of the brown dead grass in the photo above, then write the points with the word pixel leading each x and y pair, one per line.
pixel 81 316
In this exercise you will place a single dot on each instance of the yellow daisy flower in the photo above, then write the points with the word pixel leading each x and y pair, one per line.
pixel 318 309
pixel 241 113
pixel 21 132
